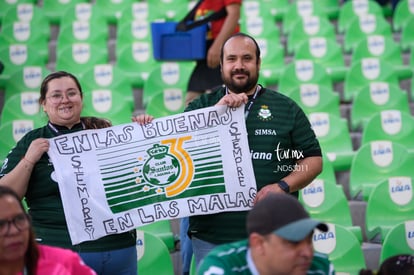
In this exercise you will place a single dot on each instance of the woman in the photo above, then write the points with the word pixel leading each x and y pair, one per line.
pixel 29 172
pixel 19 253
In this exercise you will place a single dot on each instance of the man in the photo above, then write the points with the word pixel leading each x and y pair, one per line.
pixel 285 153
pixel 279 243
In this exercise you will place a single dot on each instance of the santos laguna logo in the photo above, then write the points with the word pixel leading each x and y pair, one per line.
pixel 170 168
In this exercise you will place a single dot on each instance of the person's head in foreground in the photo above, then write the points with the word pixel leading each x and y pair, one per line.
pixel 399 264
pixel 280 235
pixel 18 248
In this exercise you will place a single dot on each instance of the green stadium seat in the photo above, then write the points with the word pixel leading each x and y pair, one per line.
pixel 135 11
pixel 306 27
pixel 54 10
pixel 402 14
pixel 399 240
pixel 342 247
pixel 376 97
pixel 80 56
pixel 153 255
pixel 265 8
pixel 161 229
pixel 28 12
pixel 407 35
pixel 375 161
pixel 273 60
pixel 136 60
pixel 81 32
pixel 394 125
pixel 313 98
pixel 5 5
pixel 26 79
pixel 391 202
pixel 130 31
pixel 109 82
pixel 167 76
pixel 17 56
pixel 367 70
pixel 326 201
pixel 12 131
pixel 334 138
pixel 260 26
pixel 20 32
pixel 303 71
pixel 112 10
pixel 364 25
pixel 353 9
pixel 109 103
pixel 328 171
pixel 23 106
pixel 166 103
pixel 385 48
pixel 326 52
pixel 296 11
pixel 170 10
pixel 82 11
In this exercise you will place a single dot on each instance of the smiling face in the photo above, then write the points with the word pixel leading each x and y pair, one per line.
pixel 240 65
pixel 63 101
pixel 14 243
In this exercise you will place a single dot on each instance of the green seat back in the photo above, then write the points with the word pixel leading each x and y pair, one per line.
pixel 17 56
pixel 342 247
pixel 109 91
pixel 20 32
pixel 326 201
pixel 375 161
pixel 27 11
pixel 313 98
pixel 366 71
pixel 298 10
pixel 26 79
pixel 407 35
pixel 55 10
pixel 112 10
pixel 391 202
pixel 306 27
pixel 402 13
pixel 394 125
pixel 364 25
pixel 172 76
pixel 153 255
pixel 325 51
pixel 374 98
pixel 303 71
pixel 334 138
pixel 162 229
pixel 24 105
pixel 352 9
pixel 80 56
pixel 12 131
pixel 136 59
pixel 399 240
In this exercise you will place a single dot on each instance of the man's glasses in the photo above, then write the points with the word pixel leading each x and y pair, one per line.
pixel 21 222
pixel 58 97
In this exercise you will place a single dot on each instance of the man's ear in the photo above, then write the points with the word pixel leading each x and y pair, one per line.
pixel 256 242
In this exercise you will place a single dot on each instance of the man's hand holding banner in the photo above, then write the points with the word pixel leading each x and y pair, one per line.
pixel 115 179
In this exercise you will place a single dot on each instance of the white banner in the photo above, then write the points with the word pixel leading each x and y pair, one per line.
pixel 115 179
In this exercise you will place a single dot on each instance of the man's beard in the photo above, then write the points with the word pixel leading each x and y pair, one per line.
pixel 240 88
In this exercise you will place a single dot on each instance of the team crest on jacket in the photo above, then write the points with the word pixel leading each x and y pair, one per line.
pixel 264 113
